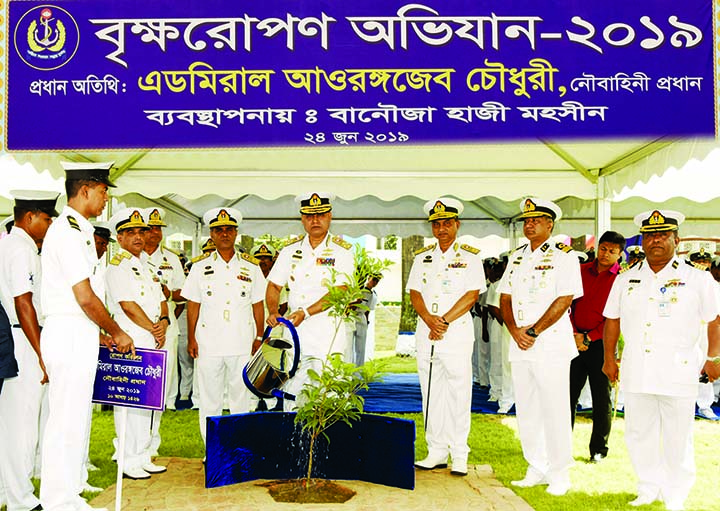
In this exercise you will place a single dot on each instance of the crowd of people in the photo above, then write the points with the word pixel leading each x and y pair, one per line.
pixel 534 326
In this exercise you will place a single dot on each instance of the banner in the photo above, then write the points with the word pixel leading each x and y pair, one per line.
pixel 89 74
pixel 134 381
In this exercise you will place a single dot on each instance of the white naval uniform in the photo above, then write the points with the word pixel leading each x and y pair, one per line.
pixel 129 279
pixel 21 398
pixel 304 270
pixel 225 329
pixel 541 374
pixel 166 266
pixel 661 317
pixel 442 279
pixel 70 345
pixel 500 374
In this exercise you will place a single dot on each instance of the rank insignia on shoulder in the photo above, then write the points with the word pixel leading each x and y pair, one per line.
pixel 521 247
pixel 293 240
pixel 470 249
pixel 339 241
pixel 562 246
pixel 117 259
pixel 425 249
pixel 73 223
pixel 200 257
pixel 249 258
pixel 545 247
pixel 690 263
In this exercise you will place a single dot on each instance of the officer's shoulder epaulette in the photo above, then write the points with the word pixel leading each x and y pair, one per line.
pixel 624 269
pixel 249 258
pixel 73 223
pixel 200 257
pixel 339 241
pixel 425 249
pixel 521 247
pixel 562 246
pixel 294 240
pixel 694 265
pixel 470 249
pixel 117 258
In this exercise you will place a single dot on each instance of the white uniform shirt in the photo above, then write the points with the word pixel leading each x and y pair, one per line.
pixel 535 279
pixel 128 279
pixel 166 265
pixel 661 316
pixel 19 272
pixel 442 279
pixel 226 293
pixel 304 270
pixel 68 257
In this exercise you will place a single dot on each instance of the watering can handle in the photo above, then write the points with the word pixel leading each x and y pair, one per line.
pixel 296 343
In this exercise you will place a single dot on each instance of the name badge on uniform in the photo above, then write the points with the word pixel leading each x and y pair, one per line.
pixel 446 286
pixel 664 309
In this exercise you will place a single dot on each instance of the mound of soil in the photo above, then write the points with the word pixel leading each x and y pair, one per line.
pixel 302 491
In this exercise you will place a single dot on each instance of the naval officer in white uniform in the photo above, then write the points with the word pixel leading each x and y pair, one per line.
pixel 660 305
pixel 71 297
pixel 444 283
pixel 304 265
pixel 22 396
pixel 136 301
pixel 539 284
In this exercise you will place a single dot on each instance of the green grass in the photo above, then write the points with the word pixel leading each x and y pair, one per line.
pixel 493 441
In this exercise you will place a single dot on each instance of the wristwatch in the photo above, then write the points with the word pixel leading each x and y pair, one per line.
pixel 531 332
pixel 305 311
pixel 586 339
pixel 714 360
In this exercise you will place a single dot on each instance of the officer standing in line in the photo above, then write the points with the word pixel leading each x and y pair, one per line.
pixel 136 301
pixel 102 238
pixel 225 315
pixel 69 341
pixel 445 281
pixel 635 255
pixel 536 291
pixel 304 265
pixel 660 305
pixel 21 400
pixel 166 266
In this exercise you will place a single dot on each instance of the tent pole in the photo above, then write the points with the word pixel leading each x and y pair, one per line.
pixel 196 239
pixel 603 210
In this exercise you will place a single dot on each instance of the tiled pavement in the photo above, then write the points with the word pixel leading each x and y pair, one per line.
pixel 182 488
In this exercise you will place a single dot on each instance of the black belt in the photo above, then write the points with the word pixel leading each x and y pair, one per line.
pixel 16 326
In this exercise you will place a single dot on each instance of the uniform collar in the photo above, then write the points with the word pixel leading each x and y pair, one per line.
pixel 130 256
pixel 323 244
pixel 23 235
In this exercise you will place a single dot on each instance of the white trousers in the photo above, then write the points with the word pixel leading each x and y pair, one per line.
pixel 70 350
pixel 212 373
pixel 171 369
pixel 20 403
pixel 481 355
pixel 137 436
pixel 501 384
pixel 705 396
pixel 187 367
pixel 295 385
pixel 448 410
pixel 658 434
pixel 542 401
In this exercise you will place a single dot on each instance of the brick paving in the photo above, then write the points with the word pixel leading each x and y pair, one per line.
pixel 182 488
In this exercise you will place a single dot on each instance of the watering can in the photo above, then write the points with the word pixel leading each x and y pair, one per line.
pixel 270 367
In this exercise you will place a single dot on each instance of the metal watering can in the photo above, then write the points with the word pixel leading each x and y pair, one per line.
pixel 269 368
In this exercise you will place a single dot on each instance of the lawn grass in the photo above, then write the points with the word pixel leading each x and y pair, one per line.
pixel 493 441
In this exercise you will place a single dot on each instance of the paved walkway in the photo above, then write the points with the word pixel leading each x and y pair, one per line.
pixel 182 488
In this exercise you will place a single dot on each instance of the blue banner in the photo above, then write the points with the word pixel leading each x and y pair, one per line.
pixel 135 381
pixel 89 74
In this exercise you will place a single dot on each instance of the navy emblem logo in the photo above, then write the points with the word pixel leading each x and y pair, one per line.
pixel 46 37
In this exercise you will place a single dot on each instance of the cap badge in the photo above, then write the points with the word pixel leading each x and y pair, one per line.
pixel 315 200
pixel 529 205
pixel 155 215
pixel 135 217
pixel 439 207
pixel 223 216
pixel 656 218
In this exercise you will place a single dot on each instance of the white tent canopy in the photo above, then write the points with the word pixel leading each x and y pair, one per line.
pixel 381 189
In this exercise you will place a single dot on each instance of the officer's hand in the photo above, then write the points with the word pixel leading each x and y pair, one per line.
pixel 296 317
pixel 45 378
pixel 272 320
pixel 436 323
pixel 611 369
pixel 160 341
pixel 256 345
pixel 436 335
pixel 124 343
pixel 166 291
pixel 522 339
pixel 192 348
pixel 712 370
pixel 579 342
